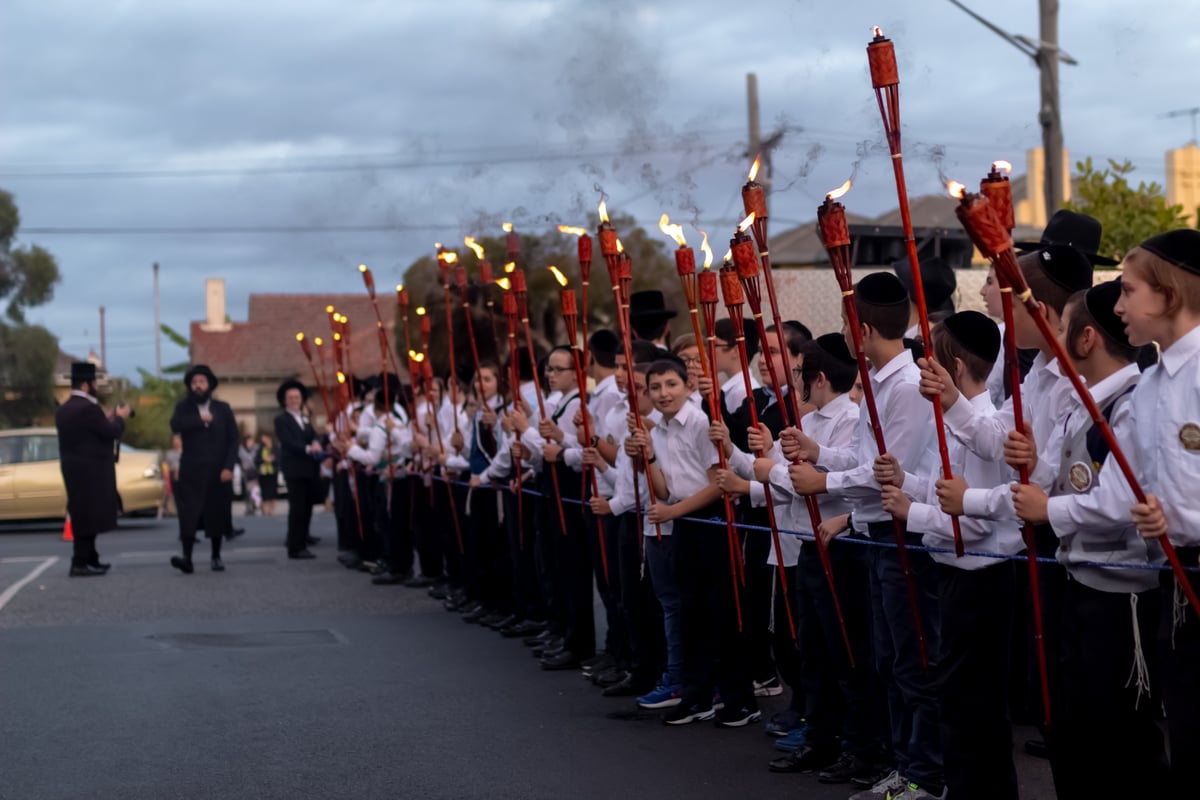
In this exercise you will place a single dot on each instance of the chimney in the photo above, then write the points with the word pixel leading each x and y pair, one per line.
pixel 1183 186
pixel 214 303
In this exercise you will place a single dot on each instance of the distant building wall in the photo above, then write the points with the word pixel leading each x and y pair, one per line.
pixel 1183 180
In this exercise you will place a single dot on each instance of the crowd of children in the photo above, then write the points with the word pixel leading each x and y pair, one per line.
pixel 906 665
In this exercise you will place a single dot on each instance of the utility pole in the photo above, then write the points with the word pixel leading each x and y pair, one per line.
pixel 757 145
pixel 1185 112
pixel 1050 114
pixel 157 329
pixel 103 342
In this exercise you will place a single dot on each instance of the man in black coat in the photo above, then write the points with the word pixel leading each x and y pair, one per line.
pixel 299 453
pixel 87 442
pixel 204 491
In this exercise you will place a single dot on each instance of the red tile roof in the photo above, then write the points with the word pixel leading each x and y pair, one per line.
pixel 265 345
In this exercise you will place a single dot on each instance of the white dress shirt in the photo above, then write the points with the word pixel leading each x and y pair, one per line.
pixel 684 454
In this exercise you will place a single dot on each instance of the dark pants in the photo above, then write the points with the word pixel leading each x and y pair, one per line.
pixel 976 622
pixel 301 492
pixel 486 571
pixel 856 711
pixel 352 528
pixel 638 607
pixel 425 525
pixel 449 503
pixel 573 573
pixel 1104 741
pixel 662 568
pixel 911 688
pixel 546 554
pixel 714 650
pixel 83 550
pixel 601 535
pixel 391 525
pixel 519 521
pixel 757 595
pixel 1179 649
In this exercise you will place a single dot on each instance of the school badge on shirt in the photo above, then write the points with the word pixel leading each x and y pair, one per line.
pixel 1080 476
pixel 1189 434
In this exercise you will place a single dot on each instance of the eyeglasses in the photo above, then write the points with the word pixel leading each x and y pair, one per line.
pixel 691 362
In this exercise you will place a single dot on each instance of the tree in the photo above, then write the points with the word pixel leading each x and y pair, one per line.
pixel 653 268
pixel 1129 216
pixel 27 352
pixel 154 402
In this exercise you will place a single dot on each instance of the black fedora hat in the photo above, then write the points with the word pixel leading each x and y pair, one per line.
pixel 200 369
pixel 287 385
pixel 937 278
pixel 83 372
pixel 649 305
pixel 1071 228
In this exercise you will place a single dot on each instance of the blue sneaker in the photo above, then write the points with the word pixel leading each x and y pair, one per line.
pixel 662 697
pixel 792 742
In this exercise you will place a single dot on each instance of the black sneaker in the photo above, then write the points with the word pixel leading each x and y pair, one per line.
pixel 686 714
pixel 845 769
pixel 182 564
pixel 805 759
pixel 218 565
pixel 740 717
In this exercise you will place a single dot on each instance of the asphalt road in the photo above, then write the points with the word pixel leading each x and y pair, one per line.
pixel 287 679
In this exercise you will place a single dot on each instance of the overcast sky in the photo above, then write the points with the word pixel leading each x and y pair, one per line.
pixel 431 120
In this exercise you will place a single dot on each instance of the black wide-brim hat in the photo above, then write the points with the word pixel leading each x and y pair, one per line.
pixel 1071 228
pixel 287 385
pixel 83 372
pixel 200 369
pixel 649 305
pixel 937 279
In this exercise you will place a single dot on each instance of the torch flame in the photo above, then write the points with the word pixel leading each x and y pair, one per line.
pixel 504 283
pixel 840 191
pixel 328 309
pixel 506 227
pixel 317 341
pixel 572 231
pixel 558 276
pixel 1002 165
pixel 300 336
pixel 604 211
pixel 362 268
pixel 399 287
pixel 510 267
pixel 341 376
pixel 754 169
pixel 469 241
pixel 449 256
pixel 420 311
pixel 708 254
pixel 745 224
pixel 415 356
pixel 620 247
pixel 728 255
pixel 337 337
pixel 674 231
pixel 878 31
pixel 955 188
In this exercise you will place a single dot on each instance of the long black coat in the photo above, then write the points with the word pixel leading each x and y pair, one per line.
pixel 87 442
pixel 294 461
pixel 203 499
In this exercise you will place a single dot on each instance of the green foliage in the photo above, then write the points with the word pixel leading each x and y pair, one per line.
pixel 27 352
pixel 27 357
pixel 1129 216
pixel 154 402
pixel 176 337
pixel 653 268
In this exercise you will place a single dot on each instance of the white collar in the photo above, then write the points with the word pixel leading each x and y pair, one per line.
pixel 833 407
pixel 85 395
pixel 1178 354
pixel 898 362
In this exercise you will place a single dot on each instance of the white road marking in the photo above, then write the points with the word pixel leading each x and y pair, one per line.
pixel 23 559
pixel 11 592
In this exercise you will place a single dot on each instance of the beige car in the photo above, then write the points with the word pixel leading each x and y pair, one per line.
pixel 31 484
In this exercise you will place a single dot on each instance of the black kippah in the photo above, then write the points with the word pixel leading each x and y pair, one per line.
pixel 1101 300
pixel 881 289
pixel 834 346
pixel 976 332
pixel 1066 266
pixel 1180 248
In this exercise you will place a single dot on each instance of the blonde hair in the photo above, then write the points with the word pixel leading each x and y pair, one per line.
pixel 683 343
pixel 1179 288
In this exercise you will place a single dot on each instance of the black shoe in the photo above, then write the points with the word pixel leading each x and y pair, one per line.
pixel 598 663
pixel 872 774
pixel 805 759
pixel 553 648
pixel 610 677
pixel 737 717
pixel 687 713
pixel 420 582
pixel 100 565
pixel 439 591
pixel 182 564
pixel 391 579
pixel 349 559
pixel 524 628
pixel 380 568
pixel 309 539
pixel 625 688
pixel 235 533
pixel 564 660
pixel 1037 748
pixel 87 571
pixel 218 565
pixel 499 620
pixel 847 767
pixel 539 639
pixel 475 615
pixel 301 554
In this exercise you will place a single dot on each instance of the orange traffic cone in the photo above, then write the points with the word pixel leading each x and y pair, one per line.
pixel 68 536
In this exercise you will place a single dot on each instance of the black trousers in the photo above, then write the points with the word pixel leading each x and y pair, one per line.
pixel 422 512
pixel 976 621
pixel 520 515
pixel 855 712
pixel 757 594
pixel 639 607
pixel 1104 741
pixel 715 655
pixel 448 520
pixel 83 550
pixel 1179 655
pixel 300 497
pixel 486 571
pixel 391 524
pixel 604 548
pixel 573 574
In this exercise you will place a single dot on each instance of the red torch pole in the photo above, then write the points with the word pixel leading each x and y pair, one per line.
pixel 584 254
pixel 885 77
pixel 460 275
pixel 835 235
pixel 427 367
pixel 510 313
pixel 731 288
pixel 308 356
pixel 445 259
